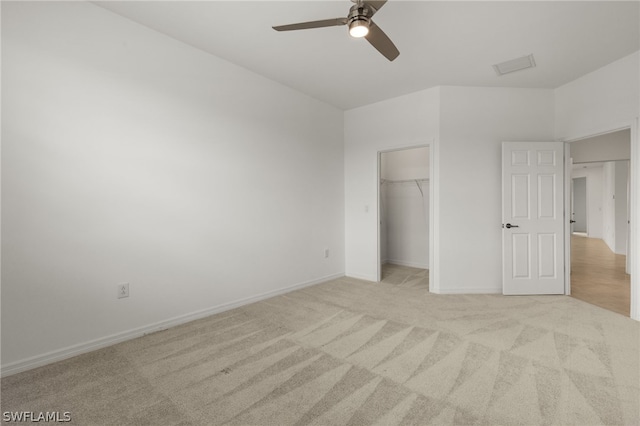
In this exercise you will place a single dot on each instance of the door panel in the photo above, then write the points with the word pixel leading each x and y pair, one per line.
pixel 520 196
pixel 547 255
pixel 546 197
pixel 533 218
pixel 521 256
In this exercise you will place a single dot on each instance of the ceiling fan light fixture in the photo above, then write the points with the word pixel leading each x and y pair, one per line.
pixel 359 28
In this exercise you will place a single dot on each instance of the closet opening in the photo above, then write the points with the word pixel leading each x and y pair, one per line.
pixel 403 202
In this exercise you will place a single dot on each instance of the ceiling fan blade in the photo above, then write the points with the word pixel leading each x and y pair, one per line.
pixel 381 42
pixel 312 24
pixel 375 4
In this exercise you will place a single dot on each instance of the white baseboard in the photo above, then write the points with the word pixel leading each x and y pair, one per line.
pixel 468 290
pixel 409 264
pixel 362 277
pixel 92 345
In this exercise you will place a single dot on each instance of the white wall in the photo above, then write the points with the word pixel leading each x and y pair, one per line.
pixel 466 184
pixel 579 204
pixel 130 157
pixel 609 204
pixel 405 164
pixel 468 125
pixel 404 207
pixel 474 123
pixel 621 206
pixel 405 219
pixel 615 174
pixel 595 199
pixel 406 121
pixel 601 101
pixel 384 234
pixel 607 147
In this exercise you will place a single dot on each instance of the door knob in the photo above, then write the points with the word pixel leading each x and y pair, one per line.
pixel 509 226
pixel 572 221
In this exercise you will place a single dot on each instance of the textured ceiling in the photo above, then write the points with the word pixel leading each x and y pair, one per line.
pixel 440 43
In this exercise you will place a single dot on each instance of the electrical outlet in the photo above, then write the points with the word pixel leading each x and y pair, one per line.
pixel 326 253
pixel 123 290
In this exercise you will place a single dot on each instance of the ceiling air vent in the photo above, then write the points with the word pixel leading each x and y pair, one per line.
pixel 515 65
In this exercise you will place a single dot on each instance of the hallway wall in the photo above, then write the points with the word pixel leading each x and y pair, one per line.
pixel 594 176
pixel 580 204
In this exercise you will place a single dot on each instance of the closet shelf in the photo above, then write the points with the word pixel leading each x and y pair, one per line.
pixel 416 181
pixel 382 181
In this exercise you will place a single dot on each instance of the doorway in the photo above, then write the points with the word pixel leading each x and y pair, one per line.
pixel 404 205
pixel 601 233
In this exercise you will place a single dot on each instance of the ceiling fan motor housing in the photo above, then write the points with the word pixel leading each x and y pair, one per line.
pixel 359 16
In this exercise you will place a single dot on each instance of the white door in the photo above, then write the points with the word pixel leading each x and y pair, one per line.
pixel 533 218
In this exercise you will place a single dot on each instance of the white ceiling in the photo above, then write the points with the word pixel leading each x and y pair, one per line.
pixel 440 43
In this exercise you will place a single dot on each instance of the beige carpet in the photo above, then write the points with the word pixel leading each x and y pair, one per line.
pixel 348 352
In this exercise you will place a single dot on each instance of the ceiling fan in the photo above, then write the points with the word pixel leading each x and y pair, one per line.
pixel 360 25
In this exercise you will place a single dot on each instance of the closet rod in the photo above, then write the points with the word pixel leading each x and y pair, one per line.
pixel 404 180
